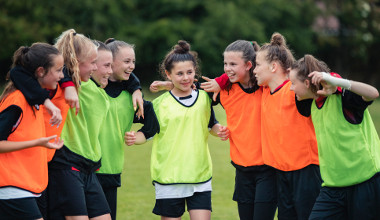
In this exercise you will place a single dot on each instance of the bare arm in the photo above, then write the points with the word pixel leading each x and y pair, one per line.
pixel 367 92
pixel 132 138
pixel 220 131
pixel 9 146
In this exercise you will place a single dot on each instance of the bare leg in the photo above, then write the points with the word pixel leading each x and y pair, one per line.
pixel 200 214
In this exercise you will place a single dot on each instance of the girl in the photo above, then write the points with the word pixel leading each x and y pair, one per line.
pixel 289 142
pixel 74 191
pixel 181 166
pixel 348 144
pixel 255 183
pixel 288 138
pixel 23 159
pixel 120 116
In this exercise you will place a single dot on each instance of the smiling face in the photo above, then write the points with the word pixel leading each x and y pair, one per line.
pixel 49 79
pixel 236 68
pixel 104 70
pixel 301 89
pixel 182 76
pixel 88 66
pixel 123 64
pixel 262 70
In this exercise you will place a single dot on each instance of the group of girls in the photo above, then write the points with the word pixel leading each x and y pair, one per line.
pixel 66 117
pixel 301 139
pixel 316 132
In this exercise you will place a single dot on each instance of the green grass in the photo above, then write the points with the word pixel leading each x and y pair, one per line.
pixel 136 196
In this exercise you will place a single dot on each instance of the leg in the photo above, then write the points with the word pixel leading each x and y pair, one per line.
pixel 330 205
pixel 286 208
pixel 96 201
pixel 199 205
pixel 364 199
pixel 306 187
pixel 169 209
pixel 111 196
pixel 266 194
pixel 200 214
pixel 245 211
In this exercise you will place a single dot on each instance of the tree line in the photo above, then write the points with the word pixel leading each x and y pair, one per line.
pixel 343 33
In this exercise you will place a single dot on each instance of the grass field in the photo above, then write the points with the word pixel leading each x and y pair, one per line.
pixel 136 196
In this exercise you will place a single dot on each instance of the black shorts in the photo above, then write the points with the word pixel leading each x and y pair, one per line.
pixel 361 201
pixel 297 192
pixel 73 193
pixel 175 208
pixel 256 185
pixel 25 208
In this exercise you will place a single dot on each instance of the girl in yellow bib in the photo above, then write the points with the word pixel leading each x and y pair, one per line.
pixel 181 165
pixel 23 144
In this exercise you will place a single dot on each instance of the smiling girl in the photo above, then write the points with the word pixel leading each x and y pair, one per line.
pixel 23 145
pixel 348 144
pixel 181 165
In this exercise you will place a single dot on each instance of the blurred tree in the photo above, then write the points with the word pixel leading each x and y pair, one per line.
pixel 209 26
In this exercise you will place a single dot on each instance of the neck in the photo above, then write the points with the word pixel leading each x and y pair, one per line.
pixel 180 93
pixel 277 81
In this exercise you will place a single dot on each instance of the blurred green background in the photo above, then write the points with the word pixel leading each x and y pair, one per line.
pixel 343 33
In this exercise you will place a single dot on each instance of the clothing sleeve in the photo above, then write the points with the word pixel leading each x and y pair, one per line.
pixel 213 120
pixel 304 106
pixel 66 81
pixel 30 88
pixel 150 121
pixel 222 80
pixel 132 84
pixel 353 106
pixel 8 121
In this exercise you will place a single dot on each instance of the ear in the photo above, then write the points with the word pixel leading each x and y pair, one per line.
pixel 168 75
pixel 307 83
pixel 40 72
pixel 249 65
pixel 273 67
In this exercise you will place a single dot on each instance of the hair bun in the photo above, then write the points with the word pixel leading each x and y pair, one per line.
pixel 277 39
pixel 25 49
pixel 182 47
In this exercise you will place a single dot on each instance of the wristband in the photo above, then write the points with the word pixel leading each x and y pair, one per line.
pixel 343 83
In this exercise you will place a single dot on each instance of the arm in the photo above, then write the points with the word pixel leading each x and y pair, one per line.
pixel 157 86
pixel 9 146
pixel 368 92
pixel 221 131
pixel 132 138
pixel 211 85
pixel 133 86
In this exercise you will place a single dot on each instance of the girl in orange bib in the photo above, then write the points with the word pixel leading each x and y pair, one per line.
pixel 23 145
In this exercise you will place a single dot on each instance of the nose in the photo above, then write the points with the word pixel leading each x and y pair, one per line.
pixel 61 74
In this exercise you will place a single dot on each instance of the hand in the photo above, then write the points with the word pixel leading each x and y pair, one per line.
pixel 325 88
pixel 56 144
pixel 72 98
pixel 224 133
pixel 211 86
pixel 137 98
pixel 157 86
pixel 56 117
pixel 130 138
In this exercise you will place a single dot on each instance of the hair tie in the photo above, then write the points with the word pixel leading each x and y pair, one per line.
pixel 25 49
pixel 75 33
pixel 110 40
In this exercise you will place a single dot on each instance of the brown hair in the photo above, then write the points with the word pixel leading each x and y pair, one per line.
pixel 31 58
pixel 277 50
pixel 116 45
pixel 306 65
pixel 181 52
pixel 249 49
pixel 75 48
